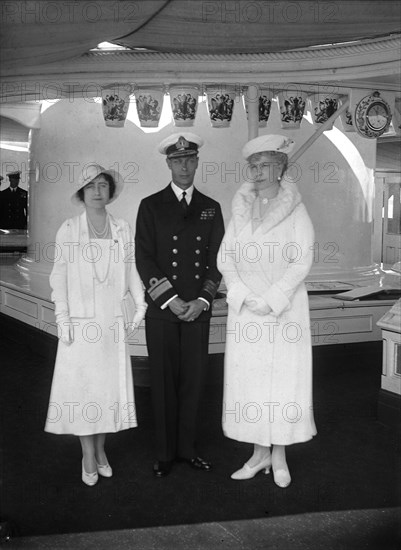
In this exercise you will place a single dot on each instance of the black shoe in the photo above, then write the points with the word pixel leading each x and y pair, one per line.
pixel 162 468
pixel 197 463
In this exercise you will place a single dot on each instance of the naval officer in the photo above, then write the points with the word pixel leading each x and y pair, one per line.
pixel 178 234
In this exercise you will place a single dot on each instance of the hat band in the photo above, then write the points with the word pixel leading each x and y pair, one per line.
pixel 190 147
pixel 182 153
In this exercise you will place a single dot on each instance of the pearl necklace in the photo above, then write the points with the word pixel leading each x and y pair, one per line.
pixel 105 232
pixel 106 277
pixel 102 233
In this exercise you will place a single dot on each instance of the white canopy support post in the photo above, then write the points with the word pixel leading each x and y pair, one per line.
pixel 253 111
pixel 325 126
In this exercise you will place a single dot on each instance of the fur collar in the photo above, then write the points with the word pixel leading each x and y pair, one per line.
pixel 287 199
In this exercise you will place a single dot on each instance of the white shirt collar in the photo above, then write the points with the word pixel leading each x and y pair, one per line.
pixel 178 192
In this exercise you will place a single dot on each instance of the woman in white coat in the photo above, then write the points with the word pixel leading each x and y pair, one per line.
pixel 92 390
pixel 264 257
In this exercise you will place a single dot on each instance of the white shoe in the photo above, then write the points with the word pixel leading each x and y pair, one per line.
pixel 89 479
pixel 104 470
pixel 282 478
pixel 246 472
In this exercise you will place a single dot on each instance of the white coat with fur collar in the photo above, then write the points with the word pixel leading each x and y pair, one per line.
pixel 268 359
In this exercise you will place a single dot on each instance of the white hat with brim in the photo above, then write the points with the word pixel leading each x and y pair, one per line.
pixel 269 142
pixel 15 174
pixel 89 173
pixel 180 145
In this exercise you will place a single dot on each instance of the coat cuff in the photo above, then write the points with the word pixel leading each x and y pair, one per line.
pixel 61 308
pixel 62 317
pixel 208 290
pixel 206 302
pixel 276 299
pixel 163 306
pixel 236 296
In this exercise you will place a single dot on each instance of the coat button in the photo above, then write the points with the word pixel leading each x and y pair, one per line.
pixel 174 277
pixel 198 238
pixel 175 251
pixel 197 264
pixel 197 251
pixel 175 237
pixel 174 264
pixel 197 276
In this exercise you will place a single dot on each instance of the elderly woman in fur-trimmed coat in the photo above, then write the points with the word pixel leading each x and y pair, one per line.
pixel 265 256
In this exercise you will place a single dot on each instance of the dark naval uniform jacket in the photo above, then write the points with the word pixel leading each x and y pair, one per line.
pixel 176 252
pixel 13 208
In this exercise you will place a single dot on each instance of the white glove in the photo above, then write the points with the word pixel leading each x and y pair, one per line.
pixel 65 329
pixel 130 330
pixel 257 304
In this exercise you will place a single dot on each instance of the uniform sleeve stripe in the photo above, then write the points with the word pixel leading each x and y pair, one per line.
pixel 156 290
pixel 210 287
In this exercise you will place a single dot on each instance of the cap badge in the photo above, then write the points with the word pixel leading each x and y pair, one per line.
pixel 182 144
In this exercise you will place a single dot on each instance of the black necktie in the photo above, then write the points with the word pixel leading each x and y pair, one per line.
pixel 184 203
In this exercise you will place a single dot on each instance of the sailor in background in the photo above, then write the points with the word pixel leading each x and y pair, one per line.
pixel 178 234
pixel 1 202
pixel 14 204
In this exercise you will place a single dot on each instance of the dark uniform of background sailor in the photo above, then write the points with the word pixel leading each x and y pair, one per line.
pixel 1 179
pixel 13 204
pixel 176 249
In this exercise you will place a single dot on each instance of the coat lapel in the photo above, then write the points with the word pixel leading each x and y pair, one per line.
pixel 85 265
pixel 125 253
pixel 169 195
pixel 195 206
pixel 175 209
